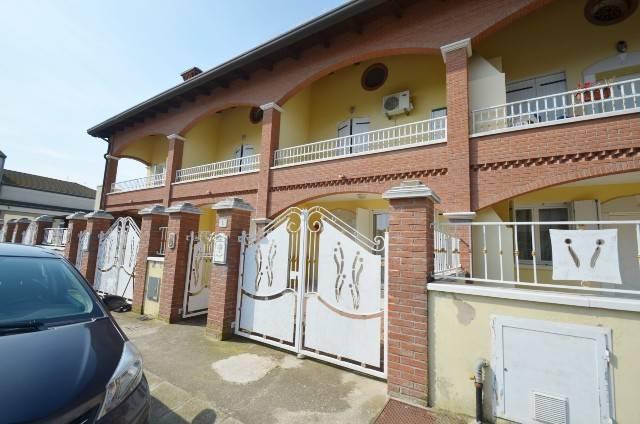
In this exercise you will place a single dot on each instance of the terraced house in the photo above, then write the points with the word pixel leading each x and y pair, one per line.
pixel 421 191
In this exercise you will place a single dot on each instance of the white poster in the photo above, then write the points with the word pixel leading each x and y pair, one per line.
pixel 586 255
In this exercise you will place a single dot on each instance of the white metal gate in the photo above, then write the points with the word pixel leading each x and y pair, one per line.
pixel 196 291
pixel 116 262
pixel 83 246
pixel 29 235
pixel 314 285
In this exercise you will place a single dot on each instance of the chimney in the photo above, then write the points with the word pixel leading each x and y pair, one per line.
pixel 190 73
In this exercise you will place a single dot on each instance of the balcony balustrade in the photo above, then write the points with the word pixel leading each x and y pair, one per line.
pixel 155 180
pixel 219 169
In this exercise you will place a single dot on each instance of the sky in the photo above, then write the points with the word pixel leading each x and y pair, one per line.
pixel 67 65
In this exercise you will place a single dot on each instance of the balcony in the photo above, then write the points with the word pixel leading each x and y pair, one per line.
pixel 219 169
pixel 414 134
pixel 155 180
pixel 576 105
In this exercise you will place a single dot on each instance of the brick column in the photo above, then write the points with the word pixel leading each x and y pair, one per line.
pixel 268 145
pixel 42 223
pixel 76 223
pixel 183 218
pixel 456 57
pixel 233 216
pixel 153 218
pixel 20 228
pixel 111 172
pixel 410 253
pixel 174 162
pixel 97 222
pixel 9 227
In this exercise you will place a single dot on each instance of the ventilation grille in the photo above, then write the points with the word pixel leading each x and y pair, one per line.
pixel 549 409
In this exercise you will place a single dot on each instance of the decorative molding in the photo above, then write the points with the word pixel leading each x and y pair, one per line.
pixel 555 159
pixel 410 190
pixel 364 180
pixel 261 221
pixel 233 203
pixel 271 105
pixel 183 207
pixel 462 44
pixel 459 216
pixel 77 215
pixel 99 214
pixel 153 210
pixel 111 157
pixel 176 137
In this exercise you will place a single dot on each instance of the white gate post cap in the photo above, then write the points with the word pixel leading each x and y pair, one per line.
pixel 11 221
pixel 77 215
pixel 232 203
pixel 23 221
pixel 153 210
pixel 184 207
pixel 99 214
pixel 44 218
pixel 411 190
pixel 459 216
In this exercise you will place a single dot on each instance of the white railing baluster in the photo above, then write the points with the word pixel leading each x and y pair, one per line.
pixel 219 169
pixel 155 180
pixel 534 253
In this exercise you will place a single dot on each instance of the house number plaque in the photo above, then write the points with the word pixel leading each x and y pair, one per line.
pixel 220 242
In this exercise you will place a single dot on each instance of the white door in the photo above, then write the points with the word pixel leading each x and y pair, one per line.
pixel 543 109
pixel 551 372
pixel 241 152
pixel 352 127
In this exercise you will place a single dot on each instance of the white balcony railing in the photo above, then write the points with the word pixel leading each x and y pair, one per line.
pixel 155 180
pixel 584 256
pixel 446 253
pixel 400 136
pixel 55 237
pixel 585 103
pixel 219 169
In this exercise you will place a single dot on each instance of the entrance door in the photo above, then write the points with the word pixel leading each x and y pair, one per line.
pixel 312 284
pixel 353 127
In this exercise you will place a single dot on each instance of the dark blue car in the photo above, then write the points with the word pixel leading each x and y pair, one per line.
pixel 63 359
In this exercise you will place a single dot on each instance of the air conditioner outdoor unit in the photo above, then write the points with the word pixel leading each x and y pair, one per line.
pixel 397 103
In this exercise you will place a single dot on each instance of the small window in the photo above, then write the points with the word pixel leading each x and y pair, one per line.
pixel 374 76
pixel 255 115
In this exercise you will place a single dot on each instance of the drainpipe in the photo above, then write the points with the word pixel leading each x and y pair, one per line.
pixel 104 173
pixel 481 364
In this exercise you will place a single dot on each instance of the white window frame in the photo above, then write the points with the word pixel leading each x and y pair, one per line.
pixel 535 217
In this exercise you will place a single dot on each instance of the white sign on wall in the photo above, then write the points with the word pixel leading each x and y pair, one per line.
pixel 220 242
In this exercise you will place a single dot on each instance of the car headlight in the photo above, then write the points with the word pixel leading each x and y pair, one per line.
pixel 125 379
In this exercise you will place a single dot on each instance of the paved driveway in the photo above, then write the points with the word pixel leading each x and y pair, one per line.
pixel 194 379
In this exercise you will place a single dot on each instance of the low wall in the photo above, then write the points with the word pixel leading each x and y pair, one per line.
pixel 460 333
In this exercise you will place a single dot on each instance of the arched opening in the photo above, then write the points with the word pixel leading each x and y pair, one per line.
pixel 548 55
pixel 368 106
pixel 557 236
pixel 224 143
pixel 142 164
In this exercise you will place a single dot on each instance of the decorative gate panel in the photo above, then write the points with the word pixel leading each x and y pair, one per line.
pixel 196 291
pixel 340 278
pixel 83 245
pixel 117 254
pixel 29 235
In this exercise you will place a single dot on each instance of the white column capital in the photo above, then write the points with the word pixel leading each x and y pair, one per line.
pixel 461 44
pixel 176 137
pixel 271 105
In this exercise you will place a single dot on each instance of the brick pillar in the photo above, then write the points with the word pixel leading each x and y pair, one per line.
pixel 456 57
pixel 233 216
pixel 97 222
pixel 76 223
pixel 174 162
pixel 183 218
pixel 20 228
pixel 410 253
pixel 268 145
pixel 153 218
pixel 110 174
pixel 42 223
pixel 9 228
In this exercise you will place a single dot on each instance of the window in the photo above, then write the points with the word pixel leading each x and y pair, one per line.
pixel 158 168
pixel 374 76
pixel 540 233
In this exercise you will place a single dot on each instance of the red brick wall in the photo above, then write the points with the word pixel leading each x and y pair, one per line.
pixel 94 227
pixel 150 241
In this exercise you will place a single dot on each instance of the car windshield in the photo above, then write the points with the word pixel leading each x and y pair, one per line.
pixel 43 290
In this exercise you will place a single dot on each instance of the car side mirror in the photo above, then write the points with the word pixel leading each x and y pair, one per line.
pixel 115 303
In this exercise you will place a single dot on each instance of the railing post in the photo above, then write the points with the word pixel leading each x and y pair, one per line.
pixel 77 222
pixel 268 144
pixel 111 171
pixel 153 218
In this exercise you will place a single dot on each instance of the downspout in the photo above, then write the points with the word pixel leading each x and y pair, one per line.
pixel 104 173
pixel 481 364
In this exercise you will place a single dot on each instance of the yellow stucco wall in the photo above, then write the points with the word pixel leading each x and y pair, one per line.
pixel 318 109
pixel 557 38
pixel 459 334
pixel 151 149
pixel 207 219
pixel 216 137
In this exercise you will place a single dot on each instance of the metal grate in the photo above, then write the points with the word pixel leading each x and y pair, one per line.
pixel 549 409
